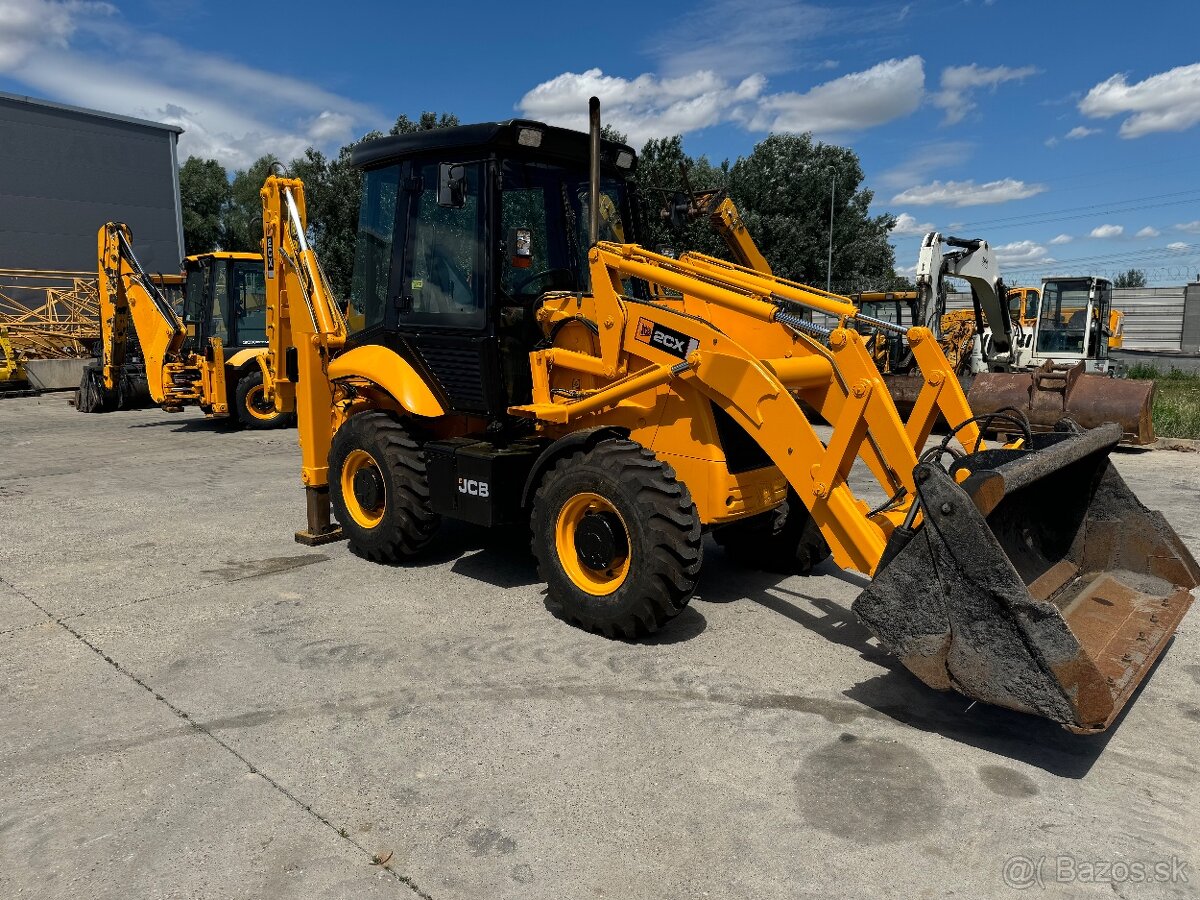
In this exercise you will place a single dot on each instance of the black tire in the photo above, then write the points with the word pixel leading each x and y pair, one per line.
pixel 407 522
pixel 784 540
pixel 662 529
pixel 251 411
pixel 91 396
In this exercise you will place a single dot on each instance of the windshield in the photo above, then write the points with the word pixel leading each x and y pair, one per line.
pixel 1063 323
pixel 552 203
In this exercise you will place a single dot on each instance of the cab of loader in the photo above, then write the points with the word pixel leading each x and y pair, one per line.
pixel 225 296
pixel 1073 323
pixel 461 231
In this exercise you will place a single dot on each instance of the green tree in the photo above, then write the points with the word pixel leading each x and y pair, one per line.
pixel 243 218
pixel 426 122
pixel 204 194
pixel 1134 278
pixel 783 189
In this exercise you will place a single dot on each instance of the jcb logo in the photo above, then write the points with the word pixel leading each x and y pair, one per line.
pixel 473 488
pixel 667 339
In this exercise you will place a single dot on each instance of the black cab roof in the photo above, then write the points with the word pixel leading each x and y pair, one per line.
pixel 523 135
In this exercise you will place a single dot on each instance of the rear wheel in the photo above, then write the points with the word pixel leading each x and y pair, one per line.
pixel 784 540
pixel 617 539
pixel 379 488
pixel 254 408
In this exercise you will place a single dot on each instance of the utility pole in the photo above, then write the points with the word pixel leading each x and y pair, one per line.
pixel 829 262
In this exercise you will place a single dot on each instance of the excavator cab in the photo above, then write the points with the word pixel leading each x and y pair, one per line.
pixel 461 230
pixel 224 297
pixel 1073 324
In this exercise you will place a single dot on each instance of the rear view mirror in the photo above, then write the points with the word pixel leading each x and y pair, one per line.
pixel 452 185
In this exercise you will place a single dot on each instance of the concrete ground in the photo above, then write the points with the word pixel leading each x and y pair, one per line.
pixel 192 705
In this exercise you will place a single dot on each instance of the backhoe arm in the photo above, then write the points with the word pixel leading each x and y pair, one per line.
pixel 127 295
pixel 305 328
pixel 973 261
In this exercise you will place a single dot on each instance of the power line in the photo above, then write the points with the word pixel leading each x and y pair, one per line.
pixel 1082 212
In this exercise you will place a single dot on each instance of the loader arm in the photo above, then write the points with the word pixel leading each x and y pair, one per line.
pixel 973 261
pixel 305 328
pixel 127 295
pixel 756 356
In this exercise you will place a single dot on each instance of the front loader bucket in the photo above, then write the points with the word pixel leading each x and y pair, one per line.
pixel 1051 392
pixel 1040 583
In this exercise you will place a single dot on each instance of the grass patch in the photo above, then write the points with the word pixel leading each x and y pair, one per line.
pixel 1176 402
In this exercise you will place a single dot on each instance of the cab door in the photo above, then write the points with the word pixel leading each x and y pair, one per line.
pixel 443 300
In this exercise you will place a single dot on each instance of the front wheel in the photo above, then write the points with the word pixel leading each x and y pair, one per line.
pixel 617 539
pixel 379 488
pixel 785 539
pixel 255 409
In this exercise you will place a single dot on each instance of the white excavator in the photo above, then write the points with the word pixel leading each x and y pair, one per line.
pixel 1058 368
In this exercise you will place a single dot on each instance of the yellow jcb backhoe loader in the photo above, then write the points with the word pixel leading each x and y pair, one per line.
pixel 212 357
pixel 514 365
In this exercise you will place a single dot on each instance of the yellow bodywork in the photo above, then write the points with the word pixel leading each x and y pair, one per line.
pixel 390 371
pixel 740 355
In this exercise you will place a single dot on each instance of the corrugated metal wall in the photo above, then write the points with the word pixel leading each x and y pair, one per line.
pixel 1153 316
pixel 65 172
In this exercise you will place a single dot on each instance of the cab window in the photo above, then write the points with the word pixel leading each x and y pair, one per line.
pixel 373 249
pixel 444 283
pixel 250 302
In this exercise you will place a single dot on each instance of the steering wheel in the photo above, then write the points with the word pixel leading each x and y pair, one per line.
pixel 525 282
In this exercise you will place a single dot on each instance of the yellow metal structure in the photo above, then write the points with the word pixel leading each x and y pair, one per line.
pixel 12 369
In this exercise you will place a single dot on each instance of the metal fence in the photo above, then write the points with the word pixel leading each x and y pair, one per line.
pixel 1153 316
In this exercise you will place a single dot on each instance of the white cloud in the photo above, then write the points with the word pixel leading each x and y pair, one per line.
pixel 1051 142
pixel 968 193
pixel 1061 239
pixel 1169 101
pixel 1148 232
pixel 887 91
pixel 233 112
pixel 1081 131
pixel 1189 227
pixel 1021 253
pixel 925 160
pixel 1178 246
pixel 28 26
pixel 643 107
pixel 741 37
pixel 652 106
pixel 1107 231
pixel 958 83
pixel 906 225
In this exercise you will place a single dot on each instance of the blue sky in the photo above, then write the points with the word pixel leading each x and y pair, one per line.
pixel 1064 133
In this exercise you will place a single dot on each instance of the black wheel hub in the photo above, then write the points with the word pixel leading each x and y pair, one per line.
pixel 368 488
pixel 600 540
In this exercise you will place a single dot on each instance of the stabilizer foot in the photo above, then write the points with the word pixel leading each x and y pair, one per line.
pixel 316 539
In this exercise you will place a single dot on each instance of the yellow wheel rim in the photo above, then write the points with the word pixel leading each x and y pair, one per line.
pixel 368 516
pixel 257 406
pixel 574 513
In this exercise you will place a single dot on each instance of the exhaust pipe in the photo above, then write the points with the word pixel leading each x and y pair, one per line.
pixel 594 171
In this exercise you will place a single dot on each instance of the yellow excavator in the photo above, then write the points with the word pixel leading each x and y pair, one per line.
pixel 517 360
pixel 211 357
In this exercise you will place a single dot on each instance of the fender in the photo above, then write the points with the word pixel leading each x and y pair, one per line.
pixel 245 355
pixel 392 373
pixel 584 439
